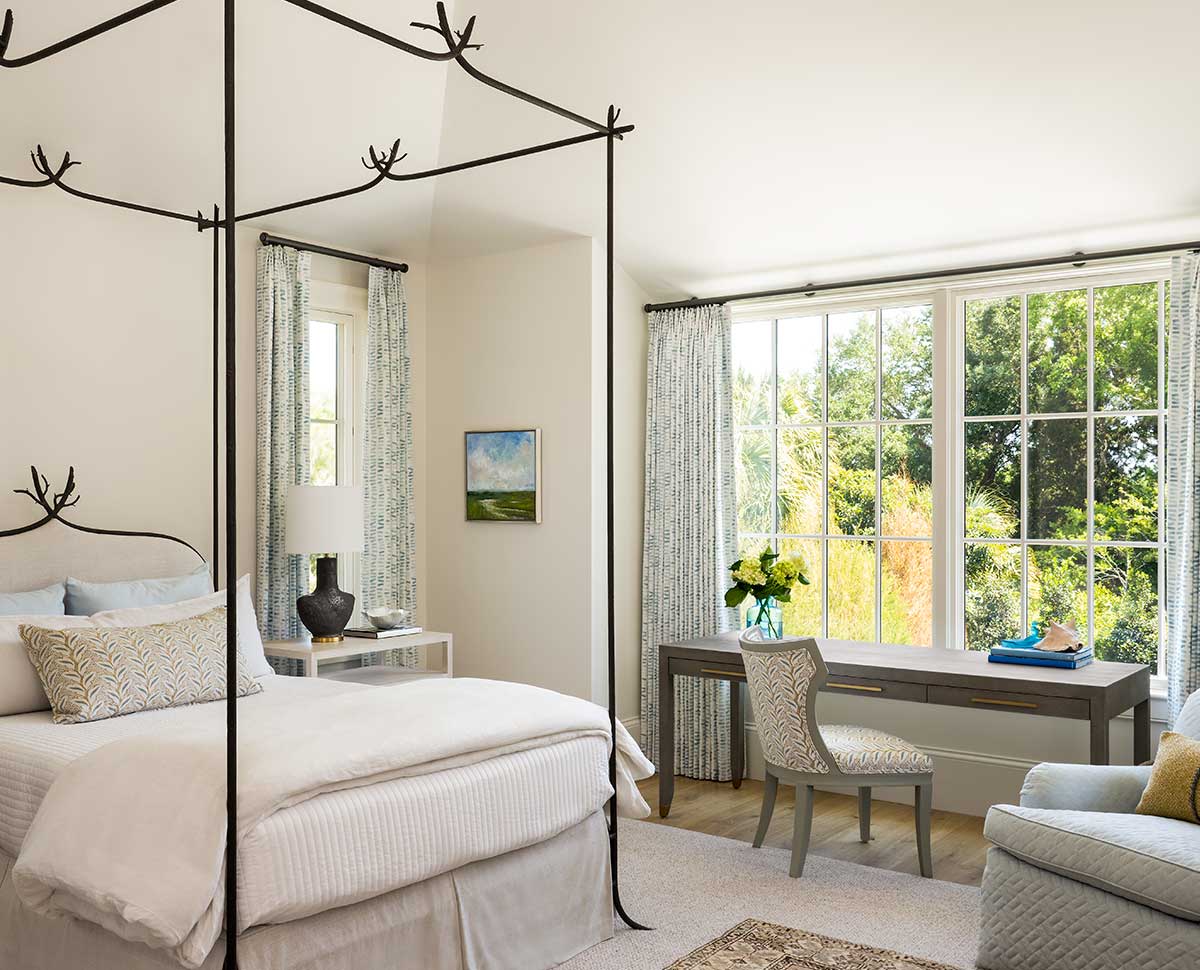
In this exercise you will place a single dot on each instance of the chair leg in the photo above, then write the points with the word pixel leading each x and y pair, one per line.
pixel 801 829
pixel 922 809
pixel 770 789
pixel 864 814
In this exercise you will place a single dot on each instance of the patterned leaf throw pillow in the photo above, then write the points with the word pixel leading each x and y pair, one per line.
pixel 95 673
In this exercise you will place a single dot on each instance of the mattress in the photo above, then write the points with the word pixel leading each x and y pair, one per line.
pixel 346 846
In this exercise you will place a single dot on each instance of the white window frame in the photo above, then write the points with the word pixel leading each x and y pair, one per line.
pixel 346 307
pixel 1157 272
pixel 948 406
pixel 858 302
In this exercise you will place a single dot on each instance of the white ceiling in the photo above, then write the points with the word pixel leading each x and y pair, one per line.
pixel 777 141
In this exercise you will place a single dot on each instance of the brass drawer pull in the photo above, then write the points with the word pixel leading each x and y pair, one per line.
pixel 723 673
pixel 989 700
pixel 873 690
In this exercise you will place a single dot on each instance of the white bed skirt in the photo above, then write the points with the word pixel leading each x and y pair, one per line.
pixel 527 910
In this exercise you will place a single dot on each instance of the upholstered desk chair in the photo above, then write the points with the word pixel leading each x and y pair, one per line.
pixel 784 677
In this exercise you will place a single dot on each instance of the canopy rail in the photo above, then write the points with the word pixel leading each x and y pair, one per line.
pixel 508 89
pixel 454 47
pixel 54 176
pixel 75 39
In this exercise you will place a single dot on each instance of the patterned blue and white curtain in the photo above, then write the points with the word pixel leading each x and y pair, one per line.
pixel 691 525
pixel 388 570
pixel 1183 485
pixel 284 283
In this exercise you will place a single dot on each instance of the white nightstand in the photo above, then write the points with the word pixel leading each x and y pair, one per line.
pixel 436 652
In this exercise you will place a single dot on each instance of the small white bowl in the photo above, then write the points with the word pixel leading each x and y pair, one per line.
pixel 386 617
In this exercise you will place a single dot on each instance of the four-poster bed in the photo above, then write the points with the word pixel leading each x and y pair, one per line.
pixel 223 219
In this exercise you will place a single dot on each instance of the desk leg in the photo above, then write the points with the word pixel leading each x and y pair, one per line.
pixel 737 734
pixel 666 736
pixel 1099 734
pixel 1141 732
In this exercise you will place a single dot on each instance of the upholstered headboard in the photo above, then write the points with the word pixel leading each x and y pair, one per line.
pixel 51 547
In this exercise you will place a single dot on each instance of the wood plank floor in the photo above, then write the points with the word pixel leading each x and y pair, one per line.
pixel 959 847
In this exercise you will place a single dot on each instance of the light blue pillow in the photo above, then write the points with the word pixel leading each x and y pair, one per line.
pixel 84 598
pixel 39 602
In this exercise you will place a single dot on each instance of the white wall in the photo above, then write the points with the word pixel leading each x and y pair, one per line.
pixel 105 336
pixel 513 343
pixel 105 363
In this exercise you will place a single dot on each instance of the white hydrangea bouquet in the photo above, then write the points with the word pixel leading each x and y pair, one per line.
pixel 770 579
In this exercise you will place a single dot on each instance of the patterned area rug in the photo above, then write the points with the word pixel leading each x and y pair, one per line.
pixel 756 945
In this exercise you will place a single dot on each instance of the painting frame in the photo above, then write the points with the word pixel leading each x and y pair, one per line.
pixel 474 510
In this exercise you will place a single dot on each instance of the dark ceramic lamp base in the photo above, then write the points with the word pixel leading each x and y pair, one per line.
pixel 326 610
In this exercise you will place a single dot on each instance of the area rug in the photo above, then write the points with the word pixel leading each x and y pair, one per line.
pixel 755 945
pixel 692 888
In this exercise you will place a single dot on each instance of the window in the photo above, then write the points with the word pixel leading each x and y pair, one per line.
pixel 1062 402
pixel 1033 407
pixel 834 420
pixel 334 366
pixel 326 431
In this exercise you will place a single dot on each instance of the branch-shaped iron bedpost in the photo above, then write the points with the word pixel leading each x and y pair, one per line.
pixel 52 505
pixel 456 40
pixel 55 177
pixel 448 35
pixel 52 175
pixel 454 48
pixel 383 165
pixel 6 34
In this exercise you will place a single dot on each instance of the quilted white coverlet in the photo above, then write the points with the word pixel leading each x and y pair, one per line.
pixel 336 778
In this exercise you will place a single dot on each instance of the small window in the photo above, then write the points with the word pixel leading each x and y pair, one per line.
pixel 324 380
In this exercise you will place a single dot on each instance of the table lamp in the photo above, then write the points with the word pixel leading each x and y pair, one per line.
pixel 325 519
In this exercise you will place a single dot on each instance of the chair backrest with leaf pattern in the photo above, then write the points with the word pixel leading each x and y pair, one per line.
pixel 784 677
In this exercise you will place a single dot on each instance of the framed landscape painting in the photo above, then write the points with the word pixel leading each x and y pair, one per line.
pixel 504 476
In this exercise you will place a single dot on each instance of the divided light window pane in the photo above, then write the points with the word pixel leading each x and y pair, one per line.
pixel 322 402
pixel 1062 449
pixel 834 453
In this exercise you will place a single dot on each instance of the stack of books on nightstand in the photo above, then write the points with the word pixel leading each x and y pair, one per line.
pixel 1026 651
pixel 370 633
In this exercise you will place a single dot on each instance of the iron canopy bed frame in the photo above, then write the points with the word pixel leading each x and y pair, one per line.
pixel 224 218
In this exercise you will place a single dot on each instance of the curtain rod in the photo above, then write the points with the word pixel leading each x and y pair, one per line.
pixel 1078 259
pixel 268 240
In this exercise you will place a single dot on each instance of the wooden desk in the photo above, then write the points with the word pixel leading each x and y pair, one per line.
pixel 958 678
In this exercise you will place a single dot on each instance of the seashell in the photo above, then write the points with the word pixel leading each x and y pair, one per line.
pixel 1062 638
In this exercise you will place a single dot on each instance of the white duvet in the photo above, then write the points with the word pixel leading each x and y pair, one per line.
pixel 132 835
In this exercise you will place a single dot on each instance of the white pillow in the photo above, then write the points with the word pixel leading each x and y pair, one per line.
pixel 249 639
pixel 20 688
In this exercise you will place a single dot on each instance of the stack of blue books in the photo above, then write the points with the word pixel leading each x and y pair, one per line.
pixel 1025 652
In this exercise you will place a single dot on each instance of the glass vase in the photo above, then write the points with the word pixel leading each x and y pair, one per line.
pixel 767 615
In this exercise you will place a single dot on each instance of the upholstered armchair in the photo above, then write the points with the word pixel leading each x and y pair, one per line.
pixel 1076 880
pixel 784 677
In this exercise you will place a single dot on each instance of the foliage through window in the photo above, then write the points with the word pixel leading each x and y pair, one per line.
pixel 834 422
pixel 323 374
pixel 1063 404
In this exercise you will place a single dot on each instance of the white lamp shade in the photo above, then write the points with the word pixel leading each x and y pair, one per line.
pixel 324 518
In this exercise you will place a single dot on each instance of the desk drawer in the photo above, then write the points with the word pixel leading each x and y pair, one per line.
pixel 866 687
pixel 994 700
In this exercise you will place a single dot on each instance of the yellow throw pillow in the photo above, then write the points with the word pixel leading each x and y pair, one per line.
pixel 95 673
pixel 1174 788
